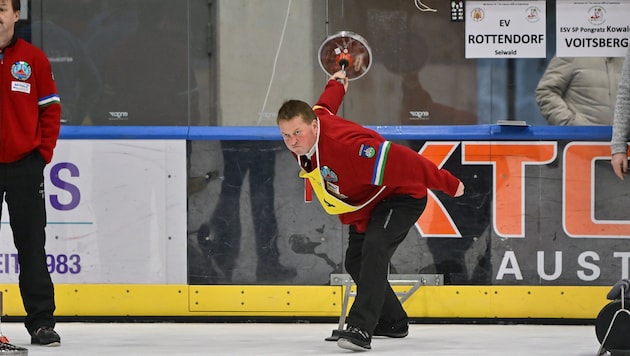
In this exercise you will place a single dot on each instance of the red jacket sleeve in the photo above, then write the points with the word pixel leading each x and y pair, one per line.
pixel 332 96
pixel 49 110
pixel 405 167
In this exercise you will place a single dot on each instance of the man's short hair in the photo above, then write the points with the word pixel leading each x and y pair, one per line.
pixel 293 108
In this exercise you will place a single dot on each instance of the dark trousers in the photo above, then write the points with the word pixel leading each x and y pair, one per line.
pixel 368 257
pixel 241 158
pixel 22 185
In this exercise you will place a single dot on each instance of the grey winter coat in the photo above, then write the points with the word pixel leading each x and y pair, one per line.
pixel 579 90
pixel 621 125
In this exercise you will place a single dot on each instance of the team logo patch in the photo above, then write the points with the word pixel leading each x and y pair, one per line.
pixel 328 174
pixel 367 151
pixel 596 15
pixel 21 70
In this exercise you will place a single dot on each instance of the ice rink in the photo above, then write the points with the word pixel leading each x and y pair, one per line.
pixel 127 339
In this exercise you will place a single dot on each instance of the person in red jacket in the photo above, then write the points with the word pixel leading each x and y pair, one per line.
pixel 377 187
pixel 30 118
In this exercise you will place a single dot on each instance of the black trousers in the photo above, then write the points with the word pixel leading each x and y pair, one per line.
pixel 258 159
pixel 368 257
pixel 22 186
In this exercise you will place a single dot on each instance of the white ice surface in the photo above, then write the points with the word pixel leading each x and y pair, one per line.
pixel 131 339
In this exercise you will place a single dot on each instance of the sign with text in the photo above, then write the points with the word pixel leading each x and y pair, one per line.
pixel 505 29
pixel 534 213
pixel 539 212
pixel 116 213
pixel 592 28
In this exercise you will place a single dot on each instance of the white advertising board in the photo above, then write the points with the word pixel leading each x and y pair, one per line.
pixel 116 214
pixel 505 29
pixel 592 28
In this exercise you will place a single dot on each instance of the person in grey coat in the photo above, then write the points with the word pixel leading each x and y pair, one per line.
pixel 579 90
pixel 621 122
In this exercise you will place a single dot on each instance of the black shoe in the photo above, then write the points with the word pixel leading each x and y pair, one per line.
pixel 392 330
pixel 355 339
pixel 45 336
pixel 334 336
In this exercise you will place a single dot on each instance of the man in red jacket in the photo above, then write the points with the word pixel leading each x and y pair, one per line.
pixel 377 187
pixel 30 117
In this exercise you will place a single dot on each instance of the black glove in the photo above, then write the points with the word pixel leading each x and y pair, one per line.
pixel 615 292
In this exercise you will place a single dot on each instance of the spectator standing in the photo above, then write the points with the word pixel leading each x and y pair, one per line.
pixel 30 119
pixel 621 123
pixel 579 91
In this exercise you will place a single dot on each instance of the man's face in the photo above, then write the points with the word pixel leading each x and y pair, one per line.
pixel 298 135
pixel 8 18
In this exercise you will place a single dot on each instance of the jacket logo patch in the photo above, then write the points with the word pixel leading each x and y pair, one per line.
pixel 21 70
pixel 328 174
pixel 366 151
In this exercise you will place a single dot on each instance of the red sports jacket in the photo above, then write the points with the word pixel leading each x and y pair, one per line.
pixel 356 162
pixel 30 110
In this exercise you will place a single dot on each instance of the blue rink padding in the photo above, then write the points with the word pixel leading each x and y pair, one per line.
pixel 429 133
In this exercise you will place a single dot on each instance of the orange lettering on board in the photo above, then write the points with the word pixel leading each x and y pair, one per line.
pixel 509 160
pixel 435 220
pixel 578 218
